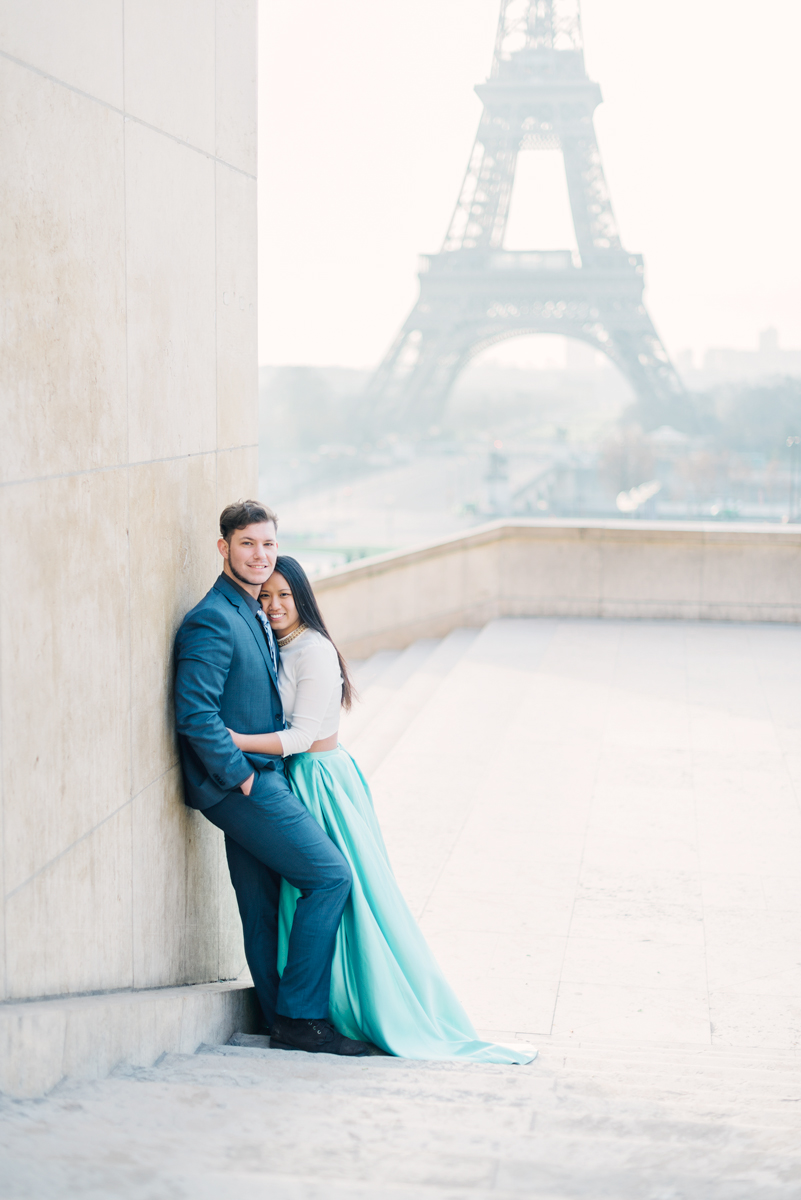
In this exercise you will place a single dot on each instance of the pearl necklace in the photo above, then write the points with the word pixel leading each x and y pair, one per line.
pixel 290 637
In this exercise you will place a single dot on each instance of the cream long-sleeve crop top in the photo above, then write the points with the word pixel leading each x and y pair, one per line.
pixel 310 684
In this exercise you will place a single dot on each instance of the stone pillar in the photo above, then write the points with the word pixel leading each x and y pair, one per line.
pixel 129 418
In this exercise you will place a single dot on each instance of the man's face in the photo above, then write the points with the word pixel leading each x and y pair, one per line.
pixel 251 553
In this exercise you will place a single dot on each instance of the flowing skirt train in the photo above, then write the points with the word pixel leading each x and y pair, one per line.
pixel 386 985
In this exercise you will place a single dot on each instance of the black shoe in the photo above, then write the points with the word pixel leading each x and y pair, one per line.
pixel 313 1036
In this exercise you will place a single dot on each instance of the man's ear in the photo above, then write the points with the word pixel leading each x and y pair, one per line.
pixel 223 548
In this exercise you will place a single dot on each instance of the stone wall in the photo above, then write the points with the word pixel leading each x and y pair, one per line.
pixel 565 568
pixel 129 392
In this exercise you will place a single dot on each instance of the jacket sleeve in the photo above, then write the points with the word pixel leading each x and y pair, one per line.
pixel 204 650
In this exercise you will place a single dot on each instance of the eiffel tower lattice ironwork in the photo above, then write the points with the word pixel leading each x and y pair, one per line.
pixel 474 292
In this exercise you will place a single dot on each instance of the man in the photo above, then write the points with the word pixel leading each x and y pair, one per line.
pixel 227 676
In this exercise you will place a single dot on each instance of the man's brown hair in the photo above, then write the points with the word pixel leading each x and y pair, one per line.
pixel 243 513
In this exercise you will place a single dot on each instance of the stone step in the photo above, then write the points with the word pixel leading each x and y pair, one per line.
pixel 648 1065
pixel 703 1108
pixel 788 1086
pixel 623 1049
pixel 246 1122
pixel 384 679
pixel 366 671
pixel 679 1053
pixel 722 1084
pixel 699 1096
pixel 564 1105
pixel 85 1037
pixel 725 1076
pixel 373 742
pixel 746 1084
pixel 762 1102
pixel 541 1068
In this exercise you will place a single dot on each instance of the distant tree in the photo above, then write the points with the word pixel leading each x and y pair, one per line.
pixel 760 417
pixel 626 459
pixel 704 473
pixel 692 413
pixel 744 417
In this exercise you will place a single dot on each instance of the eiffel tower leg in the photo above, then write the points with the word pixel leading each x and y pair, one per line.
pixel 593 219
pixel 412 386
pixel 632 343
pixel 413 382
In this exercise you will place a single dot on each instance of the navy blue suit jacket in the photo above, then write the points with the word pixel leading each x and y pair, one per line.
pixel 224 677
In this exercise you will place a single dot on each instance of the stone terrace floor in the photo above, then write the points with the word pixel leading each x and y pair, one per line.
pixel 597 824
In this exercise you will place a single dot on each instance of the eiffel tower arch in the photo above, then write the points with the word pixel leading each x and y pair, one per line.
pixel 474 293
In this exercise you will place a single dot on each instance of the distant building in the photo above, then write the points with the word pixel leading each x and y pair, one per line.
pixel 768 362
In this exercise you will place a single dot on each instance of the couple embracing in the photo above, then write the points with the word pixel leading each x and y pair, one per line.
pixel 338 962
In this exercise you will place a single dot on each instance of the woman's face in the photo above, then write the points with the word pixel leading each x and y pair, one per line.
pixel 276 600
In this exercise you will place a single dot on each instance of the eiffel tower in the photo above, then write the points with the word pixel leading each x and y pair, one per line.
pixel 475 293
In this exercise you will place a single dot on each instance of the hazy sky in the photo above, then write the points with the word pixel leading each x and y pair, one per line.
pixel 367 117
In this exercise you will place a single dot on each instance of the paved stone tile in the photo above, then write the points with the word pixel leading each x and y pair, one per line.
pixel 609 849
pixel 511 980
pixel 606 919
pixel 481 912
pixel 742 1018
pixel 665 1016
pixel 651 890
pixel 734 892
pixel 782 891
pixel 634 963
pixel 776 927
pixel 772 970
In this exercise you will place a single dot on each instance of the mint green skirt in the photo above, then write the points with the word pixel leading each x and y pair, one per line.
pixel 386 986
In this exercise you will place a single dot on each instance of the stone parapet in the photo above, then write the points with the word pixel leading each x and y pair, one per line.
pixel 631 569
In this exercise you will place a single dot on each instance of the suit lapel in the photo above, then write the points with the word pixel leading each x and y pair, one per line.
pixel 259 635
pixel 252 623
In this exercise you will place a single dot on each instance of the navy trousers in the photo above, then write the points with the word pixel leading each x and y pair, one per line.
pixel 270 834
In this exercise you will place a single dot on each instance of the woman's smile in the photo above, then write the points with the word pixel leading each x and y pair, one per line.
pixel 279 605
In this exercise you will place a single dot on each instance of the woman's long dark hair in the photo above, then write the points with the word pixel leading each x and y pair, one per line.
pixel 310 615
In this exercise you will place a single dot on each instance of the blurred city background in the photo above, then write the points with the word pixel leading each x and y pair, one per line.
pixel 540 425
pixel 566 439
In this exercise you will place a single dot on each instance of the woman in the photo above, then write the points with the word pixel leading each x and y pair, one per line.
pixel 386 987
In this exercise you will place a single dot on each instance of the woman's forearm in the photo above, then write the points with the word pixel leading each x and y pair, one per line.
pixel 257 743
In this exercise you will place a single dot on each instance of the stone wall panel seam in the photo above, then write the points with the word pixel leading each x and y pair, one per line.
pixel 89 832
pixel 122 113
pixel 145 462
